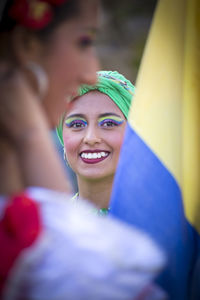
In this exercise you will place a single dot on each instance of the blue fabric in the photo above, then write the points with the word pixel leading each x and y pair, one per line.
pixel 147 196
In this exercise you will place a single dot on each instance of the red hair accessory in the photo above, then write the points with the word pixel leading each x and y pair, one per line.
pixel 34 14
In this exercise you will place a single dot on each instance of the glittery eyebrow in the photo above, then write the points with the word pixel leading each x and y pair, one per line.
pixel 111 117
pixel 71 119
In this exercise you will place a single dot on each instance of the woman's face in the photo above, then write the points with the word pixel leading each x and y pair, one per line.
pixel 93 132
pixel 70 59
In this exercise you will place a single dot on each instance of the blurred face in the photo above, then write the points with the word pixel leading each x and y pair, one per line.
pixel 70 59
pixel 93 132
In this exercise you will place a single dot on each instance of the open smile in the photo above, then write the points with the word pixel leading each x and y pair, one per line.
pixel 93 157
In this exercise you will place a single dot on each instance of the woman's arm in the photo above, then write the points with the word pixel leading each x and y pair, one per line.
pixel 23 123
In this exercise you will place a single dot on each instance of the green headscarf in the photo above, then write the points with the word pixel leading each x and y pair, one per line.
pixel 113 84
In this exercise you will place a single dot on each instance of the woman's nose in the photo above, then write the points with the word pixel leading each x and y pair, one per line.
pixel 91 137
pixel 91 66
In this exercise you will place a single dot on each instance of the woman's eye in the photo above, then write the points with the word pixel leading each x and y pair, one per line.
pixel 85 42
pixel 76 124
pixel 108 123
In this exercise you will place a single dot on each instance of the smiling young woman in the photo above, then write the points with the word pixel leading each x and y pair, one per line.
pixel 92 133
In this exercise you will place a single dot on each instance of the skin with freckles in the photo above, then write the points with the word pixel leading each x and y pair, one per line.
pixel 93 131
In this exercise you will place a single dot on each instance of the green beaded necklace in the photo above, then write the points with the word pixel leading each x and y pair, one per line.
pixel 98 212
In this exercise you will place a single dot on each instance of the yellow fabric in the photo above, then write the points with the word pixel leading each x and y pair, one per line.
pixel 191 114
pixel 166 107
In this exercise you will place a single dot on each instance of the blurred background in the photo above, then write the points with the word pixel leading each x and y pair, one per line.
pixel 125 26
pixel 124 29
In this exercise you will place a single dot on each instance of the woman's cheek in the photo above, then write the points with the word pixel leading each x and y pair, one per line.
pixel 116 139
pixel 70 143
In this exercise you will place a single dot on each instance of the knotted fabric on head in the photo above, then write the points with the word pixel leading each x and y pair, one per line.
pixel 116 86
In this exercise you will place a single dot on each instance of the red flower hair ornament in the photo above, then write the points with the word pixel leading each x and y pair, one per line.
pixel 33 14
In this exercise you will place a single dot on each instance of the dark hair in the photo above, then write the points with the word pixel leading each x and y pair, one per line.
pixel 61 13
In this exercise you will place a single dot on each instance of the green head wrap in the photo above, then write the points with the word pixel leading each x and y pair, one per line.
pixel 113 84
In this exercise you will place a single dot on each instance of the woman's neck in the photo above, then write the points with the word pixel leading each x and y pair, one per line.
pixel 96 191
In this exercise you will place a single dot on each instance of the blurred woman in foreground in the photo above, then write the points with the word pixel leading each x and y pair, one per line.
pixel 49 250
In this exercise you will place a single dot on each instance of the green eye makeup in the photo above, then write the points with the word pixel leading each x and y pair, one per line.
pixel 75 122
pixel 112 120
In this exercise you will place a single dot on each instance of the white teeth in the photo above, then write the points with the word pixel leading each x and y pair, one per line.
pixel 94 155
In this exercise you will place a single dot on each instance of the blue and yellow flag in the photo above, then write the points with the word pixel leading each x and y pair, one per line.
pixel 157 184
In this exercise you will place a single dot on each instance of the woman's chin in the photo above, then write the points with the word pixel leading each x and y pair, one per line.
pixel 95 176
pixel 53 115
pixel 53 122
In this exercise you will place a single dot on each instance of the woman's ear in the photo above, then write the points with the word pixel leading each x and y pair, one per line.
pixel 27 54
pixel 26 46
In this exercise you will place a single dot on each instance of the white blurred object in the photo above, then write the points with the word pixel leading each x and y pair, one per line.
pixel 80 256
pixel 40 76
